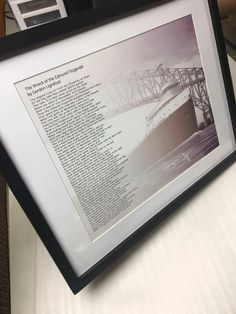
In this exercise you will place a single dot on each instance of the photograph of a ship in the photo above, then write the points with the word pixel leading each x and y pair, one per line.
pixel 164 105
pixel 133 118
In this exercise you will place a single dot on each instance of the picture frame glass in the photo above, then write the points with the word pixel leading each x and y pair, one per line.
pixel 109 126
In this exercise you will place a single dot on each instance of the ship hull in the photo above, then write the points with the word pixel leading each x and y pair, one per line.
pixel 173 131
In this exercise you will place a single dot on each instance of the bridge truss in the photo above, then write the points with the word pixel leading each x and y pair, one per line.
pixel 137 88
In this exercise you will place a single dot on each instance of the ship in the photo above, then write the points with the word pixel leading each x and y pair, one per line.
pixel 168 124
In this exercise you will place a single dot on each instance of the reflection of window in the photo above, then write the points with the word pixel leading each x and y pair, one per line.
pixel 42 18
pixel 30 13
pixel 33 5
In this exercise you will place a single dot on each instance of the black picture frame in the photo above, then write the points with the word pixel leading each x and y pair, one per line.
pixel 33 39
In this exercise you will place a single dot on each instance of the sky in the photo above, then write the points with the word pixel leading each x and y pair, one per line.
pixel 173 44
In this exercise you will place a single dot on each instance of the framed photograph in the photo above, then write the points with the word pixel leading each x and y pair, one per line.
pixel 109 120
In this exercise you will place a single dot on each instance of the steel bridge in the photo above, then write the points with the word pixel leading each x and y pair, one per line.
pixel 131 90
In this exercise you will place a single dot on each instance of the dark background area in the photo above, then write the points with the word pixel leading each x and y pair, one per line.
pixel 4 254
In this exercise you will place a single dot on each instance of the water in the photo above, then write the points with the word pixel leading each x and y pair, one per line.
pixel 163 171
